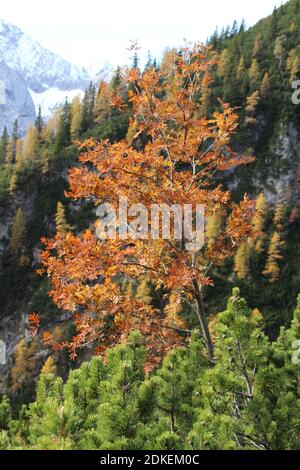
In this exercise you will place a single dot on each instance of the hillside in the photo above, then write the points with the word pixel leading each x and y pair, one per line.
pixel 255 73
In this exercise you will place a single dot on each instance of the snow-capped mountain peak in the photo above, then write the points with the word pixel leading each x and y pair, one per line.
pixel 31 75
pixel 40 68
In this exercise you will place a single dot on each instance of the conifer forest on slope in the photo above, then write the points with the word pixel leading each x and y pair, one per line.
pixel 142 345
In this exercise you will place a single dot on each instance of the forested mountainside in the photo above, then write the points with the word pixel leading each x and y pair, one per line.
pixel 254 73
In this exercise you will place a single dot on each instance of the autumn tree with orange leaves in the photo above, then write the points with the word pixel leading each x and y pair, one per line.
pixel 174 156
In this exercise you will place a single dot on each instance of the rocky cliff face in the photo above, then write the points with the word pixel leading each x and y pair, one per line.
pixel 283 181
pixel 16 295
pixel 15 99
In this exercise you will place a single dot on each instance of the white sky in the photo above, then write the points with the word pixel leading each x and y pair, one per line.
pixel 98 31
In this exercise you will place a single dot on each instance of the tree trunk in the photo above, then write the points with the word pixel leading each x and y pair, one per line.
pixel 203 323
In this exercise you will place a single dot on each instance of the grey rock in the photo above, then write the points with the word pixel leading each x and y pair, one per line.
pixel 15 100
pixel 40 68
pixel 28 69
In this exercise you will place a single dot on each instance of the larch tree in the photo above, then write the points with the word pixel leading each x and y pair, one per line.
pixel 51 127
pixel 19 151
pixel 49 366
pixel 259 220
pixel 25 360
pixel 279 216
pixel 259 217
pixel 258 45
pixel 293 64
pixel 31 145
pixel 265 86
pixel 61 223
pixel 75 117
pixel 241 261
pixel 254 74
pixel 183 152
pixel 272 269
pixel 13 183
pixel 293 27
pixel 295 69
pixel 251 105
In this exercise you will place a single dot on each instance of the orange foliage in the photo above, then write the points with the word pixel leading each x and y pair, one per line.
pixel 34 323
pixel 179 164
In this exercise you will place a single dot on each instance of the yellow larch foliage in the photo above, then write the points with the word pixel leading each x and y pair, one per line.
pixel 75 117
pixel 50 129
pixel 25 361
pixel 19 151
pixel 241 261
pixel 258 45
pixel 265 86
pixel 256 314
pixel 251 105
pixel 272 269
pixel 259 245
pixel 254 73
pixel 60 219
pixel 293 64
pixel 13 183
pixel 31 144
pixel 49 366
pixel 279 216
pixel 259 217
pixel 258 221
pixel 252 102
